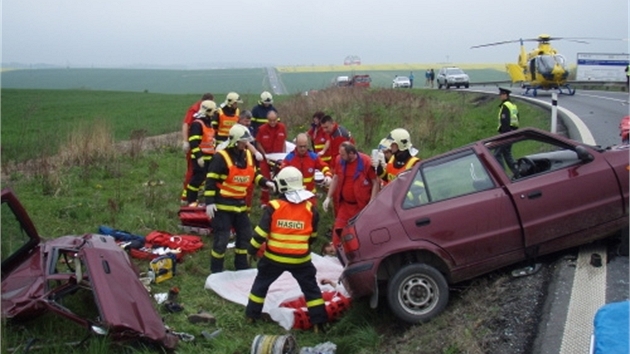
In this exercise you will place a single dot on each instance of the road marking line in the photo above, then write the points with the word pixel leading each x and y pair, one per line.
pixel 588 294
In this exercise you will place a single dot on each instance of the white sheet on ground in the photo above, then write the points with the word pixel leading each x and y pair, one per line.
pixel 236 285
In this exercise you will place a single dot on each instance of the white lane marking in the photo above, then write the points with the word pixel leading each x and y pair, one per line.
pixel 587 296
pixel 603 98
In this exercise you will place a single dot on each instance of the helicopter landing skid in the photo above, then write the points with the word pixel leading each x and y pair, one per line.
pixel 569 90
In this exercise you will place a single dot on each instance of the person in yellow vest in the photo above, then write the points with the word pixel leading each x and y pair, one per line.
pixel 508 121
pixel 288 226
pixel 226 116
pixel 230 173
pixel 201 141
pixel 401 159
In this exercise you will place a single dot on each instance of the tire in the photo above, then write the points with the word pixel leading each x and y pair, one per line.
pixel 467 85
pixel 439 85
pixel 417 293
pixel 448 86
pixel 623 246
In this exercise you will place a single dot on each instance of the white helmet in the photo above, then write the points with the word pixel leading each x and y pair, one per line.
pixel 208 108
pixel 289 179
pixel 239 132
pixel 385 144
pixel 401 138
pixel 232 98
pixel 266 97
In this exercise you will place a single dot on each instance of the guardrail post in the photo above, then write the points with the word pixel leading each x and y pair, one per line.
pixel 554 111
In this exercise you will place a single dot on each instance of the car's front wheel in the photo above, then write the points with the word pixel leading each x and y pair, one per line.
pixel 417 293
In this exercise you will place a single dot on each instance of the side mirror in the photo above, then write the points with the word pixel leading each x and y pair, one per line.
pixel 583 154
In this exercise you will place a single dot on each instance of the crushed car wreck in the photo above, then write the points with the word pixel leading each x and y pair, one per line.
pixel 88 279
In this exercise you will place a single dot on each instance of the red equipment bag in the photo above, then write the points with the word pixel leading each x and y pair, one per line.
pixel 194 219
pixel 336 305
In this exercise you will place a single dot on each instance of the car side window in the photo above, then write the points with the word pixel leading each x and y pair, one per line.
pixel 14 236
pixel 447 178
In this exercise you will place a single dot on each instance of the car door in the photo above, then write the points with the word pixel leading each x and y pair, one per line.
pixel 454 203
pixel 562 195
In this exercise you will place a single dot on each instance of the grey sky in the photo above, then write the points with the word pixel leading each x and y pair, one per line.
pixel 118 33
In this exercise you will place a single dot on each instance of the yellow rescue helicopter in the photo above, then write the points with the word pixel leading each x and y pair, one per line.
pixel 541 69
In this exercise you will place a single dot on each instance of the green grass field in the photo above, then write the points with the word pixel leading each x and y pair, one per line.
pixel 243 81
pixel 120 190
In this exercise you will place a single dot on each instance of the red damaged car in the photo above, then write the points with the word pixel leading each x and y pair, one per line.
pixel 462 214
pixel 88 279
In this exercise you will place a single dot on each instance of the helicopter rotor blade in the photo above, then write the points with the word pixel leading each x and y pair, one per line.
pixel 506 42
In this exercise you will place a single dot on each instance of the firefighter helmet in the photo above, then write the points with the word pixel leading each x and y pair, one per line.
pixel 239 132
pixel 232 98
pixel 401 138
pixel 208 107
pixel 289 179
pixel 385 144
pixel 266 97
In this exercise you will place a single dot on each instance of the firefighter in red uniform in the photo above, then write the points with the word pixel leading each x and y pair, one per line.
pixel 320 139
pixel 188 119
pixel 401 160
pixel 288 226
pixel 230 173
pixel 338 135
pixel 226 117
pixel 201 140
pixel 307 162
pixel 270 138
pixel 353 186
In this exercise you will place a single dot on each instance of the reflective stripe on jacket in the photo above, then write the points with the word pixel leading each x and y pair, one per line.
pixel 235 184
pixel 392 171
pixel 513 114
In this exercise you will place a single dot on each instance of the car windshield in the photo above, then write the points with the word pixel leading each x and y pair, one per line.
pixel 402 78
pixel 454 71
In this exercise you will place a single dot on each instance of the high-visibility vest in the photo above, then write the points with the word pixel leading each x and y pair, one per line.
pixel 226 122
pixel 290 232
pixel 238 179
pixel 392 172
pixel 207 140
pixel 513 114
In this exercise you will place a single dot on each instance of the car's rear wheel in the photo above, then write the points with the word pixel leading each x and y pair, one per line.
pixel 467 85
pixel 417 293
pixel 439 85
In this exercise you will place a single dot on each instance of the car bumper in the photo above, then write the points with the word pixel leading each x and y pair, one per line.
pixel 359 279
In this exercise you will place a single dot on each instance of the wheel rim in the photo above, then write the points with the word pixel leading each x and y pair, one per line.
pixel 418 294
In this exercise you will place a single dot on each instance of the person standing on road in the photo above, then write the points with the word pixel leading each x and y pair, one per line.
pixel 201 140
pixel 271 138
pixel 628 78
pixel 432 77
pixel 338 134
pixel 508 121
pixel 261 110
pixel 307 162
pixel 288 227
pixel 411 79
pixel 188 119
pixel 230 173
pixel 427 76
pixel 226 117
pixel 401 159
pixel 353 186
pixel 319 138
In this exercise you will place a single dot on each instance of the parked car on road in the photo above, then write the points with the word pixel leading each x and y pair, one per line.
pixel 461 214
pixel 452 76
pixel 86 279
pixel 401 82
pixel 362 80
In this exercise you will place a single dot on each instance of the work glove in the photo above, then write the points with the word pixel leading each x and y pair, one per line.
pixel 185 146
pixel 259 156
pixel 271 186
pixel 320 153
pixel 201 162
pixel 327 180
pixel 326 204
pixel 211 209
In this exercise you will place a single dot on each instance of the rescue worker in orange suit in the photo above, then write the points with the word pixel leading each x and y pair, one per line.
pixel 353 186
pixel 508 121
pixel 288 226
pixel 401 159
pixel 188 119
pixel 271 138
pixel 230 173
pixel 261 110
pixel 338 135
pixel 226 117
pixel 307 162
pixel 201 140
pixel 245 119
pixel 320 139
